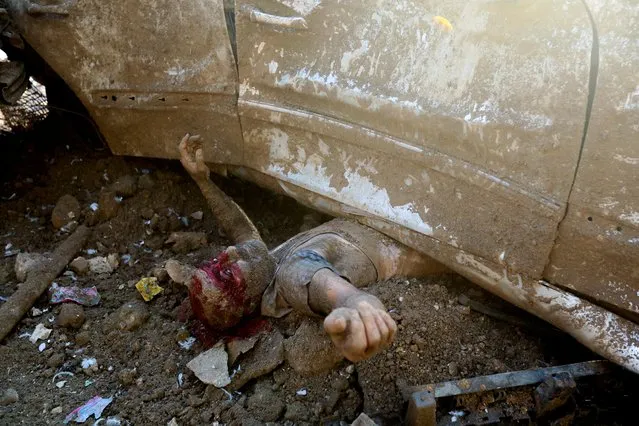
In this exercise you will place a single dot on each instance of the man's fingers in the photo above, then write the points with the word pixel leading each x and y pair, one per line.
pixel 392 326
pixel 183 144
pixel 384 331
pixel 335 325
pixel 373 336
pixel 199 156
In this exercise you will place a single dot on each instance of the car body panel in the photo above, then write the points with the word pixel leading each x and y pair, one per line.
pixel 597 252
pixel 456 127
pixel 145 68
pixel 461 134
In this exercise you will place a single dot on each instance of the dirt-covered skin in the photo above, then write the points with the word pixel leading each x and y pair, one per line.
pixel 144 369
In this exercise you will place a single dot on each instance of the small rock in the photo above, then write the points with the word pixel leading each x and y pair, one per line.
pixel 56 360
pixel 179 273
pixel 311 338
pixel 146 213
pixel 363 420
pixel 264 404
pixel 296 411
pixel 184 242
pixel 237 347
pixel 82 338
pixel 10 396
pixel 108 205
pixel 145 182
pixel 453 369
pixel 29 262
pixel 71 316
pixel 103 265
pixel 160 274
pixel 126 186
pixel 79 265
pixel 211 367
pixel 127 377
pixel 264 358
pixel 57 410
pixel 66 210
pixel 130 316
pixel 90 366
pixel 197 215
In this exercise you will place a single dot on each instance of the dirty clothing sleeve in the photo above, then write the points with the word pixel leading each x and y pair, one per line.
pixel 359 254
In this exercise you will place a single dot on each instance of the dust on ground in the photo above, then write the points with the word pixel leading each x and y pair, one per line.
pixel 144 370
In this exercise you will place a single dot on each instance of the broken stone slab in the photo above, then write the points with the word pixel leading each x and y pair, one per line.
pixel 237 347
pixel 264 358
pixel 211 367
pixel 29 262
pixel 363 420
pixel 310 338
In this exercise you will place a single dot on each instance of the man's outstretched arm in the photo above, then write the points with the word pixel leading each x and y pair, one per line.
pixel 231 218
pixel 356 321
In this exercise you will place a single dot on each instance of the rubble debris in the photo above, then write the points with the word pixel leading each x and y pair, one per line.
pixel 148 288
pixel 185 242
pixel 93 407
pixel 310 338
pixel 296 412
pixel 127 376
pixel 9 396
pixel 130 316
pixel 27 263
pixel 187 343
pixel 553 393
pixel 103 265
pixel 79 265
pixel 198 215
pixel 83 296
pixel 125 186
pixel 40 333
pixel 109 205
pixel 71 316
pixel 177 272
pixel 363 420
pixel 211 367
pixel 264 358
pixel 422 409
pixel 67 209
pixel 264 403
pixel 237 347
pixel 89 366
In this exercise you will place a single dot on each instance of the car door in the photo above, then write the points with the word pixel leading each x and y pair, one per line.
pixel 147 71
pixel 458 120
pixel 597 252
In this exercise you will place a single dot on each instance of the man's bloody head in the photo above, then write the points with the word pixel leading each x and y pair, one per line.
pixel 230 286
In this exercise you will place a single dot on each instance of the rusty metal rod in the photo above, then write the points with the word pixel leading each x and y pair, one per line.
pixel 508 380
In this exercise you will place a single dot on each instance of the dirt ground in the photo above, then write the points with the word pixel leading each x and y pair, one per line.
pixel 144 370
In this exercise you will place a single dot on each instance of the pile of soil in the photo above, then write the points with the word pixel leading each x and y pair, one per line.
pixel 144 369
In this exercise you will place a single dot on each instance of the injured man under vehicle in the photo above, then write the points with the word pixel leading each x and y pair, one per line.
pixel 318 272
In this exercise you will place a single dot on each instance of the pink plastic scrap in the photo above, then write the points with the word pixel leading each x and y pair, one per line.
pixel 83 296
pixel 93 407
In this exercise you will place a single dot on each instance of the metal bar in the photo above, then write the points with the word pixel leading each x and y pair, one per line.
pixel 509 380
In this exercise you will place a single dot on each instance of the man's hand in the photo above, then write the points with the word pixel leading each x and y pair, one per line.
pixel 361 328
pixel 192 158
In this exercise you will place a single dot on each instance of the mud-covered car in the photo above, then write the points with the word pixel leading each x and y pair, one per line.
pixel 501 138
